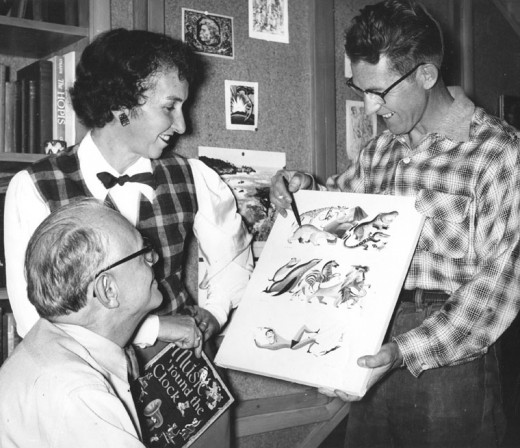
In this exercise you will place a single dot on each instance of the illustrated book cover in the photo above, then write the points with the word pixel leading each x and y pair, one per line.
pixel 323 294
pixel 178 396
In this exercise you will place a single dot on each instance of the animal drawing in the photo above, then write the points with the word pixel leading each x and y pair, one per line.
pixel 311 281
pixel 282 272
pixel 292 278
pixel 374 238
pixel 353 287
pixel 308 233
pixel 365 233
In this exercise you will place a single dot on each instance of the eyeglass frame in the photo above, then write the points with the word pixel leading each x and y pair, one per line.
pixel 146 249
pixel 385 92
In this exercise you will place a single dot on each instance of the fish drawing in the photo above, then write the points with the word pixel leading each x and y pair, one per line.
pixel 281 273
pixel 292 278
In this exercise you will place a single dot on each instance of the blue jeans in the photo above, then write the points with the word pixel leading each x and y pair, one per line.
pixel 457 406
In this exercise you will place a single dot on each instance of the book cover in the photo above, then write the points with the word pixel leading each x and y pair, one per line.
pixel 3 80
pixel 323 294
pixel 41 72
pixel 178 396
pixel 58 100
pixel 69 60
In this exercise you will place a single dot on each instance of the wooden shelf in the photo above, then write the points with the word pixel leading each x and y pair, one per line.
pixel 35 39
pixel 19 157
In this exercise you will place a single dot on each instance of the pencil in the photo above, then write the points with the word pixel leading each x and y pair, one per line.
pixel 293 203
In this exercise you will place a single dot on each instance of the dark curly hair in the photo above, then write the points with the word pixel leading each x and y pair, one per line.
pixel 401 30
pixel 114 70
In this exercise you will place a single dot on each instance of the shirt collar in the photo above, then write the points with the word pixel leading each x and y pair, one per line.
pixel 91 162
pixel 107 354
pixel 457 122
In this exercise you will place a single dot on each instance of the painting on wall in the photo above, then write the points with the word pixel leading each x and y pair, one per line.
pixel 208 34
pixel 322 294
pixel 269 20
pixel 248 175
pixel 241 100
pixel 509 109
pixel 360 128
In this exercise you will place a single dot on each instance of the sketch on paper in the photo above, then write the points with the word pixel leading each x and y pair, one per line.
pixel 208 34
pixel 269 20
pixel 322 294
pixel 241 99
pixel 360 128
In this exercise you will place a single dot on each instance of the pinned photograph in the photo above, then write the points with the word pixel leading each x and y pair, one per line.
pixel 360 128
pixel 241 105
pixel 269 20
pixel 208 34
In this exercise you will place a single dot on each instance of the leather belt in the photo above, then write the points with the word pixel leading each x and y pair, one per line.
pixel 423 296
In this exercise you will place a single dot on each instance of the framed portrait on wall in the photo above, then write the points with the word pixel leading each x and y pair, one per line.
pixel 241 100
pixel 360 128
pixel 269 20
pixel 208 34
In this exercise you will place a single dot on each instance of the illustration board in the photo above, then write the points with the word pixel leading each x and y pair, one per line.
pixel 322 294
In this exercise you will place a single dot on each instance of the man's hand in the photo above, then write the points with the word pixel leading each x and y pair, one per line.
pixel 385 360
pixel 279 196
pixel 206 322
pixel 182 330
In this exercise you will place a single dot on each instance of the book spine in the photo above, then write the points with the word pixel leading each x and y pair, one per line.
pixel 34 116
pixel 10 99
pixel 44 107
pixel 3 79
pixel 70 117
pixel 17 117
pixel 60 98
pixel 4 337
pixel 24 115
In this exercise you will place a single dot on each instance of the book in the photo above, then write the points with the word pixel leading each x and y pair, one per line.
pixel 58 97
pixel 10 116
pixel 323 294
pixel 24 124
pixel 40 102
pixel 3 80
pixel 69 60
pixel 178 396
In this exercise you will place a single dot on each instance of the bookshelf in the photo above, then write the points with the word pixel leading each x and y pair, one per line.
pixel 25 40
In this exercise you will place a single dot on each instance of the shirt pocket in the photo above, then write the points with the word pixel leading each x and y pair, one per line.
pixel 447 225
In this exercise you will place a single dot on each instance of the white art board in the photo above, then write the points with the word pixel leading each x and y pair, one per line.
pixel 323 295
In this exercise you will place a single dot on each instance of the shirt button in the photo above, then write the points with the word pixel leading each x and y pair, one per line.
pixel 406 160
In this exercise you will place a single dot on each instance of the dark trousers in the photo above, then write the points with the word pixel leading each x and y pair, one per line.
pixel 457 406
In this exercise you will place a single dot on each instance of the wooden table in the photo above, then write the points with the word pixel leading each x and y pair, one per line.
pixel 274 413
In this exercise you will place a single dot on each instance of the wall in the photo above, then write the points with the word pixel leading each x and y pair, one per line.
pixel 282 73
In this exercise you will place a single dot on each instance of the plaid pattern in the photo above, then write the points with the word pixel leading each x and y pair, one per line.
pixel 167 222
pixel 469 192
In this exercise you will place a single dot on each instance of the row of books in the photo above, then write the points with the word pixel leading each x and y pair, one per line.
pixel 35 108
pixel 9 338
pixel 65 12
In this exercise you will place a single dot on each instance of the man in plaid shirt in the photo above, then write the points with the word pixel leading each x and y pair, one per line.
pixel 441 383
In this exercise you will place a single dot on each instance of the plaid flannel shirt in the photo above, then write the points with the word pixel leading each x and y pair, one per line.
pixel 466 180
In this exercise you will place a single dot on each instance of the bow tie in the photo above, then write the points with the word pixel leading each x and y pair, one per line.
pixel 109 181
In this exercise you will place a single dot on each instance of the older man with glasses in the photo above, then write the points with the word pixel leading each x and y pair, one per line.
pixel 66 383
pixel 436 380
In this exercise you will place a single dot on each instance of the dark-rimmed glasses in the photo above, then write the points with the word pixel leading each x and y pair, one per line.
pixel 380 96
pixel 148 251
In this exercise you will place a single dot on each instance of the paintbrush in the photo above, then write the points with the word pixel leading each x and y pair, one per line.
pixel 293 203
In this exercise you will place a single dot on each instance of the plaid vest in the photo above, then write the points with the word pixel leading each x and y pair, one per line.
pixel 167 221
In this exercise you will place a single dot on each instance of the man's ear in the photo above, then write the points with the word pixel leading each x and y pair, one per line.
pixel 428 75
pixel 106 291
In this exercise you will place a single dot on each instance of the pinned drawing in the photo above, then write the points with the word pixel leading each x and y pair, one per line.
pixel 326 288
pixel 269 20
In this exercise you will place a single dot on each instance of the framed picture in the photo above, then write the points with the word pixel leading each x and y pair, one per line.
pixel 360 128
pixel 241 100
pixel 322 294
pixel 269 20
pixel 509 109
pixel 208 34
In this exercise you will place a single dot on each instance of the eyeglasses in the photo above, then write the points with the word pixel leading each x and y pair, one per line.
pixel 150 256
pixel 380 96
